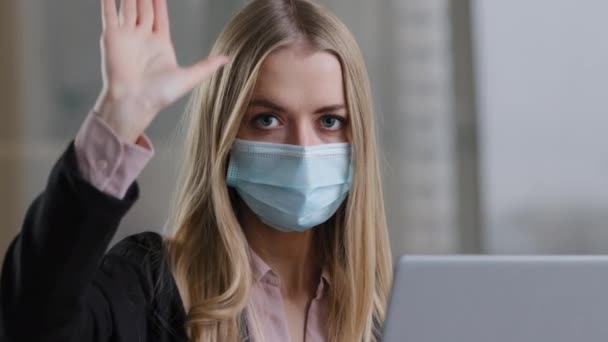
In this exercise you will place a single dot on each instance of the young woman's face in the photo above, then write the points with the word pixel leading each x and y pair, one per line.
pixel 298 99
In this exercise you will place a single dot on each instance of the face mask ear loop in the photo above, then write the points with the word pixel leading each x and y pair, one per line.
pixel 351 167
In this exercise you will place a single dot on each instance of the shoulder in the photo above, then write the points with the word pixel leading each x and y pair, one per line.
pixel 138 246
pixel 143 250
pixel 135 277
pixel 139 258
pixel 145 253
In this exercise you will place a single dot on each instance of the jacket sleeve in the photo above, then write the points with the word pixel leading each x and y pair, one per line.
pixel 106 161
pixel 47 287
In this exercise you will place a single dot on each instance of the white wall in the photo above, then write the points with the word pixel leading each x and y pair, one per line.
pixel 543 71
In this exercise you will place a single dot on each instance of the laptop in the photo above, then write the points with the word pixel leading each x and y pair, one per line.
pixel 498 299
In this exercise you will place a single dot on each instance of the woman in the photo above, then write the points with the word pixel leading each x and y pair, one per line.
pixel 278 227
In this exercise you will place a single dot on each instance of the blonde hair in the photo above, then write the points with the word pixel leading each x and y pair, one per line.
pixel 208 252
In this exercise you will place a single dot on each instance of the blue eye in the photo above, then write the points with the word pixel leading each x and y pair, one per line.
pixel 266 121
pixel 332 122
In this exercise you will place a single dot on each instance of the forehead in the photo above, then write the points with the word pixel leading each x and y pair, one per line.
pixel 300 75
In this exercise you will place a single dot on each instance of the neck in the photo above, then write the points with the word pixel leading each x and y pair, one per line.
pixel 293 256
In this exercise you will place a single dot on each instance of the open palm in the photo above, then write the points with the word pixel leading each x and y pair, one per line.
pixel 139 65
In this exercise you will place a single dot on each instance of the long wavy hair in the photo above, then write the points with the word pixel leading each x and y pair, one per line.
pixel 207 249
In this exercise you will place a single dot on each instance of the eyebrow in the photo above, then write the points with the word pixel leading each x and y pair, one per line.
pixel 269 104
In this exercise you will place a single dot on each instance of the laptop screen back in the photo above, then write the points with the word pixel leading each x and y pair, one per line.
pixel 499 299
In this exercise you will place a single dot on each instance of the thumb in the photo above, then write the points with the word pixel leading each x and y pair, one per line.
pixel 202 69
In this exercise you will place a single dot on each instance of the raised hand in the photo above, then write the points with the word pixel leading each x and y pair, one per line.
pixel 139 68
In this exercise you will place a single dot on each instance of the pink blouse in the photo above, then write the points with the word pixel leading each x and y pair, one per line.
pixel 112 165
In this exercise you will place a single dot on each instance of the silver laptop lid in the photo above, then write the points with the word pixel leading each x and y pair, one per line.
pixel 499 299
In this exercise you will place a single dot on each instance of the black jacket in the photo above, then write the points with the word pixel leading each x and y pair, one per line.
pixel 59 284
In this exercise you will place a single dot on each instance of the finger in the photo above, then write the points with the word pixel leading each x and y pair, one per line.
pixel 146 14
pixel 109 19
pixel 194 74
pixel 161 17
pixel 128 13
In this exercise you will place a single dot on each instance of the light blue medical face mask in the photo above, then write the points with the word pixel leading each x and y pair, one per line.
pixel 290 187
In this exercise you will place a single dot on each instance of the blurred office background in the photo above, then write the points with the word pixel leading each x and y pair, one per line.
pixel 492 115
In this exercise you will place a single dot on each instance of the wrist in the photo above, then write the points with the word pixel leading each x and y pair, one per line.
pixel 121 116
